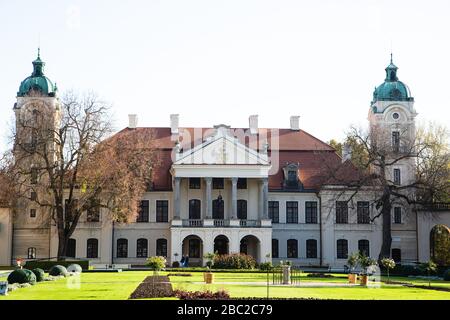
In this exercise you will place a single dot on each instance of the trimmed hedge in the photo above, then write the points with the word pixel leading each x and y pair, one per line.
pixel 234 261
pixel 47 265
pixel 22 276
pixel 58 271
pixel 39 273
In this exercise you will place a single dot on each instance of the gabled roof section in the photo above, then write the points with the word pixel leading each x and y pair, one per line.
pixel 223 149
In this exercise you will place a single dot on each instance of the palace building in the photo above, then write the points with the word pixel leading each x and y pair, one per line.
pixel 272 193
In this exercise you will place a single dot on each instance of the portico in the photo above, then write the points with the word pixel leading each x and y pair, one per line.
pixel 231 181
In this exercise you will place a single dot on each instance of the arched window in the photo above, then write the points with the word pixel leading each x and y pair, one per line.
pixel 142 248
pixel 71 248
pixel 342 249
pixel 32 253
pixel 364 247
pixel 218 209
pixel 194 209
pixel 122 248
pixel 311 248
pixel 292 248
pixel 161 247
pixel 92 248
pixel 274 248
pixel 242 209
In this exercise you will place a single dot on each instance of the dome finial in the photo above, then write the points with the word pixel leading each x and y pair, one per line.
pixel 392 60
pixel 39 53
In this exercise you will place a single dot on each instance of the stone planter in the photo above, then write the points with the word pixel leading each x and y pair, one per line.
pixel 364 280
pixel 352 278
pixel 209 277
pixel 286 271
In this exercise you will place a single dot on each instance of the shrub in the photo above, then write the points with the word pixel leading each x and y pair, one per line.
pixel 156 263
pixel 22 276
pixel 234 261
pixel 447 275
pixel 46 265
pixel 175 264
pixel 39 273
pixel 58 270
pixel 266 266
pixel 319 275
pixel 74 268
pixel 206 295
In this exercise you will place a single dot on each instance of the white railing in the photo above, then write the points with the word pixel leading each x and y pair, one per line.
pixel 249 223
pixel 193 223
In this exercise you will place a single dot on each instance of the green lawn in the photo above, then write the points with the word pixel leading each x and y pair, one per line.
pixel 117 286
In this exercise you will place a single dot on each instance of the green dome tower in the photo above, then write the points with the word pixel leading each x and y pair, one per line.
pixel 37 82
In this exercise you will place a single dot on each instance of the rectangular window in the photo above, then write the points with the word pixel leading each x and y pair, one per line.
pixel 342 249
pixel 217 183
pixel 363 214
pixel 291 212
pixel 274 248
pixel 292 248
pixel 194 183
pixel 311 212
pixel 397 215
pixel 397 177
pixel 143 211
pixel 70 209
pixel 341 212
pixel 274 211
pixel 93 213
pixel 396 141
pixel 162 211
pixel 32 213
pixel 311 248
pixel 34 176
pixel 33 196
pixel 242 183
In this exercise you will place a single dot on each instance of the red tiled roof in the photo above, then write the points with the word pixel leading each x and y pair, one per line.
pixel 313 155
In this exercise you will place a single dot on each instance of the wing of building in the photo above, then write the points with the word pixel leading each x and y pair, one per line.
pixel 273 193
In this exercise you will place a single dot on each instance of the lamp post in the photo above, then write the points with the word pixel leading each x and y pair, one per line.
pixel 268 268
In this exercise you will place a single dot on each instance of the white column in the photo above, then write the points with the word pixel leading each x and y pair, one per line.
pixel 234 198
pixel 176 215
pixel 208 198
pixel 265 198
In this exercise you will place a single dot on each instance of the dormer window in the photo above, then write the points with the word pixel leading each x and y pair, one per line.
pixel 291 176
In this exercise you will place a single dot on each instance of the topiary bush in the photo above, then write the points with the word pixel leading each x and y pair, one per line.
pixel 234 261
pixel 157 263
pixel 266 266
pixel 175 264
pixel 58 271
pixel 74 268
pixel 446 275
pixel 39 273
pixel 22 276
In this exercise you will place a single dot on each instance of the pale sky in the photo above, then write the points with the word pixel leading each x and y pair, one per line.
pixel 220 61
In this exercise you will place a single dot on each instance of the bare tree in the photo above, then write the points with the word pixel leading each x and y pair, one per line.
pixel 426 156
pixel 69 162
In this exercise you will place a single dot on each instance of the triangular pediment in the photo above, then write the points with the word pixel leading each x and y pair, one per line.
pixel 222 149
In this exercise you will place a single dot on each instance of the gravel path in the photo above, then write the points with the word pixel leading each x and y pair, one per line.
pixel 301 284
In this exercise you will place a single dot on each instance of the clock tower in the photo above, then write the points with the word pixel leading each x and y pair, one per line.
pixel 392 124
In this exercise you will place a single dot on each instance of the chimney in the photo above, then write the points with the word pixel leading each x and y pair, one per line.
pixel 295 123
pixel 174 119
pixel 253 124
pixel 132 121
pixel 346 152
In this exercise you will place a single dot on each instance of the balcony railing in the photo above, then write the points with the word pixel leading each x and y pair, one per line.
pixel 249 223
pixel 221 223
pixel 193 223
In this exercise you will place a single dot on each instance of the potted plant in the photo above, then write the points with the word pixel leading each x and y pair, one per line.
pixel 208 276
pixel 352 262
pixel 365 263
pixel 156 263
pixel 388 263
